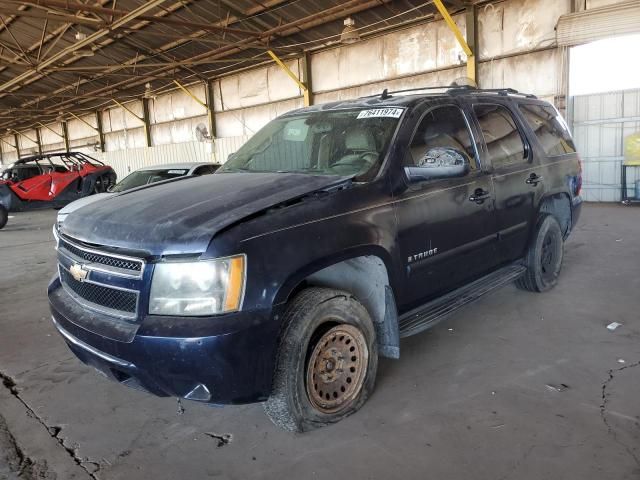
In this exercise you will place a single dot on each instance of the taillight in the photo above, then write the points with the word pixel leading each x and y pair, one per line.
pixel 577 186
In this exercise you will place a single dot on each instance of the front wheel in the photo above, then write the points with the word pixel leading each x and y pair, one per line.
pixel 327 361
pixel 4 216
pixel 544 257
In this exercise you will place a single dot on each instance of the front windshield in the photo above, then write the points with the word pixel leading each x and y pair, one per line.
pixel 145 177
pixel 338 142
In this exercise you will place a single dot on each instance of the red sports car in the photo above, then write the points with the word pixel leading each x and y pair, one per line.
pixel 51 180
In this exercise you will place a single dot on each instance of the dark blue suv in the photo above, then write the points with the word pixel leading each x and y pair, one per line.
pixel 334 231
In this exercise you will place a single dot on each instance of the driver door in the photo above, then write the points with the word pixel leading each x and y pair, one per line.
pixel 447 231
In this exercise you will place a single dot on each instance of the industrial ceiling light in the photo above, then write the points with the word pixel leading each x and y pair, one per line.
pixel 349 33
pixel 148 94
pixel 82 52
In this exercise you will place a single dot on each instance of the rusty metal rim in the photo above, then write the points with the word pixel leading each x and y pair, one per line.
pixel 337 368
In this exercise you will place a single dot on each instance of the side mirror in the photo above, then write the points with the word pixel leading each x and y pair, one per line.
pixel 439 162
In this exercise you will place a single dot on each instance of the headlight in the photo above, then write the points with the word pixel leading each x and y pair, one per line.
pixel 198 288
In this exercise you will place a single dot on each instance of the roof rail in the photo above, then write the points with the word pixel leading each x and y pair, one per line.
pixel 499 91
pixel 453 89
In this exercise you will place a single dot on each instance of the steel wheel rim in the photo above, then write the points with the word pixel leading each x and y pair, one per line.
pixel 337 368
pixel 550 255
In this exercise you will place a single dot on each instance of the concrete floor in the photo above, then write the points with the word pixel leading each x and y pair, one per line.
pixel 518 385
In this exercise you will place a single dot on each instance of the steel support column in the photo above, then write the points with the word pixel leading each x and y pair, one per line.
pixel 100 130
pixel 38 140
pixel 210 108
pixel 146 118
pixel 306 78
pixel 472 40
pixel 17 140
pixel 65 135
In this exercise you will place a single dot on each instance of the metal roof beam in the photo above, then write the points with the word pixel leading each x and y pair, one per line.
pixel 149 5
pixel 68 5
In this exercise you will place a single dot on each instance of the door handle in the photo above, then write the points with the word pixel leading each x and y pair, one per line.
pixel 479 196
pixel 533 180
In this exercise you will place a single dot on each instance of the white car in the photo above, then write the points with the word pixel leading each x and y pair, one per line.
pixel 138 178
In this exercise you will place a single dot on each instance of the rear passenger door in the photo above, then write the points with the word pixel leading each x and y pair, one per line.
pixel 516 175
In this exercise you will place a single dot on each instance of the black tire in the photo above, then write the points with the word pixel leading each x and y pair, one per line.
pixel 544 257
pixel 310 319
pixel 4 216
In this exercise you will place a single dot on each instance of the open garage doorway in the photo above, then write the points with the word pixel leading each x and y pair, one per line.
pixel 604 109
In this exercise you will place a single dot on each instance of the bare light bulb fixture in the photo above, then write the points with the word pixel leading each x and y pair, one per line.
pixel 349 33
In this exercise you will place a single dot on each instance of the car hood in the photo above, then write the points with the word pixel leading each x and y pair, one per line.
pixel 183 217
pixel 73 206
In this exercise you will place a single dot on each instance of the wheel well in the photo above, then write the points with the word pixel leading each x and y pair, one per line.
pixel 367 279
pixel 559 206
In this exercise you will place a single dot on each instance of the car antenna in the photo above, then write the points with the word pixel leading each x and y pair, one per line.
pixel 385 94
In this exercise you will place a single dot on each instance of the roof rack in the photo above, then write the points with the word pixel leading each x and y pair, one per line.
pixel 453 89
pixel 499 91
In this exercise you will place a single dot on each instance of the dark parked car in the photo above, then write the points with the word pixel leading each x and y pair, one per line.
pixel 333 232
pixel 51 180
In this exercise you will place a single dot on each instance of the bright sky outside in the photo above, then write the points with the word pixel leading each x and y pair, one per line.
pixel 605 66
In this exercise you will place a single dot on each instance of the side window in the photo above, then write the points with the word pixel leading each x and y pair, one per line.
pixel 504 141
pixel 442 127
pixel 550 128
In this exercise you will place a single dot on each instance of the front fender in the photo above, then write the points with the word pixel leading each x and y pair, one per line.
pixel 297 277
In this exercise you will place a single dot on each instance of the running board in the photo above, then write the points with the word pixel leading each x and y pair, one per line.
pixel 426 316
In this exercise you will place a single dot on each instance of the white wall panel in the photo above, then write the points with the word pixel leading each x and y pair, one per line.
pixel 27 143
pixel 79 129
pixel 518 25
pixel 9 153
pixel 602 3
pixel 254 87
pixel 47 137
pixel 516 72
pixel 442 77
pixel 124 139
pixel 117 118
pixel 177 105
pixel 247 121
pixel 178 131
pixel 410 51
pixel 53 147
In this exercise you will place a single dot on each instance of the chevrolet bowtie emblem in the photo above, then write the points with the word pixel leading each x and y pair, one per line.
pixel 78 272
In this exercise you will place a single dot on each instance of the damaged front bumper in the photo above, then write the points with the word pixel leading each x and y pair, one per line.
pixel 227 359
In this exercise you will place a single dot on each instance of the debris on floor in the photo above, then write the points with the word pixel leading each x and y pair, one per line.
pixel 613 325
pixel 557 388
pixel 621 360
pixel 222 438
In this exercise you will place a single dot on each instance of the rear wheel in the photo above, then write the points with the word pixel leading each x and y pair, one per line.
pixel 4 216
pixel 327 361
pixel 544 257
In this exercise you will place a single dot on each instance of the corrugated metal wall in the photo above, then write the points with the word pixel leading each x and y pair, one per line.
pixel 601 123
pixel 126 161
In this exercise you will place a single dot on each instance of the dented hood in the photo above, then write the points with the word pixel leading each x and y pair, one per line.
pixel 183 216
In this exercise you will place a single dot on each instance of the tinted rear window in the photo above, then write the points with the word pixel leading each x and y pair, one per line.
pixel 550 128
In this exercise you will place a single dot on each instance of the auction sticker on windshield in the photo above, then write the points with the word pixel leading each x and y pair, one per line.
pixel 381 112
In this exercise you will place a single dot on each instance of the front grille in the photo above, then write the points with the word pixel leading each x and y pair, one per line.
pixel 107 260
pixel 101 296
